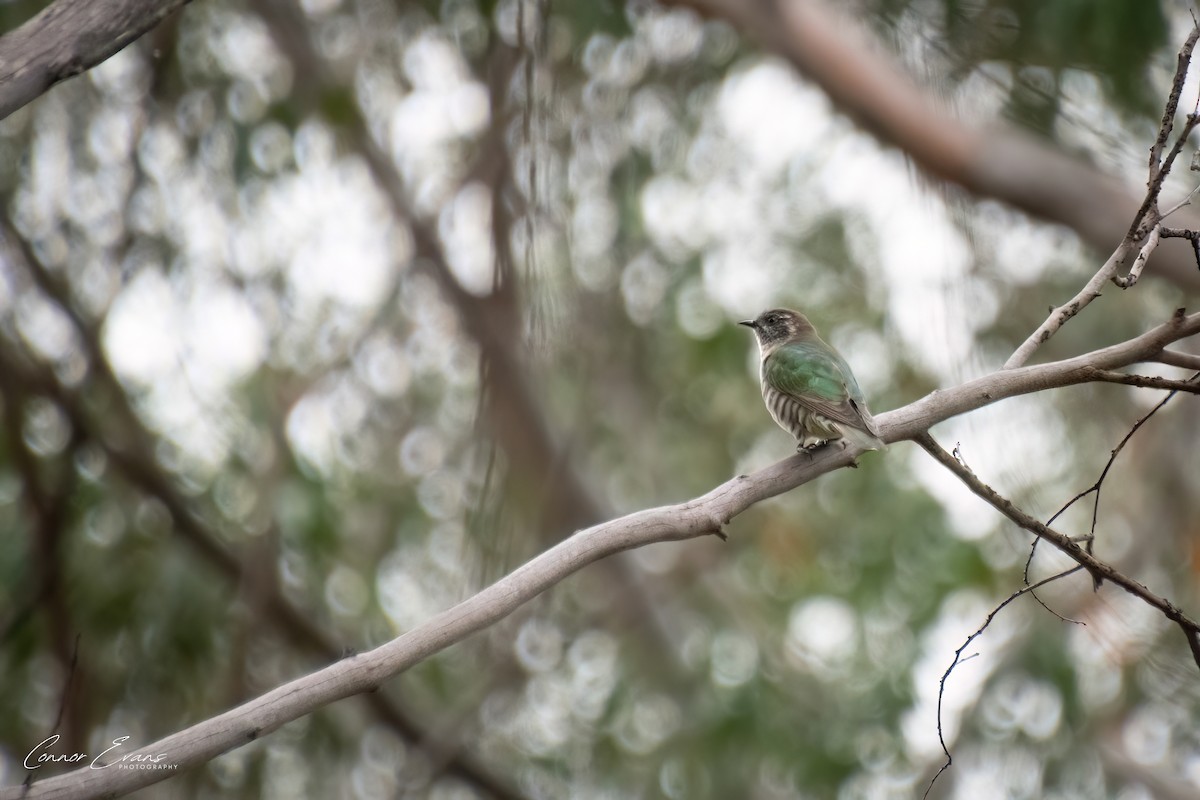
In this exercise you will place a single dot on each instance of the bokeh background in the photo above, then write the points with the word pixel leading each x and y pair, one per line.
pixel 317 317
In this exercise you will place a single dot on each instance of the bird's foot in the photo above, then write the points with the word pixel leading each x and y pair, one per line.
pixel 810 446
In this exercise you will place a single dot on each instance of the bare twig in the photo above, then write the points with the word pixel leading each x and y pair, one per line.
pixel 1139 263
pixel 1186 201
pixel 1133 380
pixel 1060 315
pixel 1182 61
pixel 1192 236
pixel 1190 386
pixel 1145 229
pixel 1147 381
pixel 958 659
pixel 1148 210
pixel 1099 570
pixel 1174 358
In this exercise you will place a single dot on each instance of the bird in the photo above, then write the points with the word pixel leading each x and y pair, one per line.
pixel 807 385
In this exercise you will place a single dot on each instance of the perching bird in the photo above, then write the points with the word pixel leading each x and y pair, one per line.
pixel 808 387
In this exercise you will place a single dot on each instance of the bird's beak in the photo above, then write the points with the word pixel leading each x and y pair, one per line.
pixel 749 323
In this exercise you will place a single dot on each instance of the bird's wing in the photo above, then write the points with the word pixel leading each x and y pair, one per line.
pixel 820 380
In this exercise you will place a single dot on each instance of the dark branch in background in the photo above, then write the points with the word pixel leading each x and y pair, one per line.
pixel 515 414
pixel 67 38
pixel 49 508
pixel 958 659
pixel 997 162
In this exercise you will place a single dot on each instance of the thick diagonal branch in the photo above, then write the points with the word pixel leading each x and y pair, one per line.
pixel 67 38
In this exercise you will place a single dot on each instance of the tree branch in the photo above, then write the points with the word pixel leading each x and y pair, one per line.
pixel 67 38
pixel 958 659
pixel 1059 316
pixel 1147 216
pixel 1098 569
pixel 697 517
pixel 1146 381
pixel 1174 358
pixel 1139 263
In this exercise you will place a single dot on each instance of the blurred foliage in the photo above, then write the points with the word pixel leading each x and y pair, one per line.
pixel 200 214
pixel 1115 41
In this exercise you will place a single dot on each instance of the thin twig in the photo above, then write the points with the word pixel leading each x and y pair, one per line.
pixel 1186 201
pixel 1143 227
pixel 1139 263
pixel 958 659
pixel 1099 570
pixel 1174 358
pixel 1185 233
pixel 1158 172
pixel 1134 380
pixel 1189 385
pixel 1060 315
pixel 1146 381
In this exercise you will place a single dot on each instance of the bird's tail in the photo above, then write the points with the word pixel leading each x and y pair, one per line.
pixel 867 440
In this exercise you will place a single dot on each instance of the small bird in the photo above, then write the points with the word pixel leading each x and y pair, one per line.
pixel 808 387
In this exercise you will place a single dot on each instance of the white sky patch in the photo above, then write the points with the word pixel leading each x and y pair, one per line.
pixel 772 114
pixel 327 237
pixel 445 104
pixel 670 208
pixel 140 333
pixel 465 228
pixel 743 280
pixel 318 423
pixel 225 339
pixel 918 249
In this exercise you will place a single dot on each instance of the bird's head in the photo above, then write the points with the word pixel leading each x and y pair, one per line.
pixel 779 325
